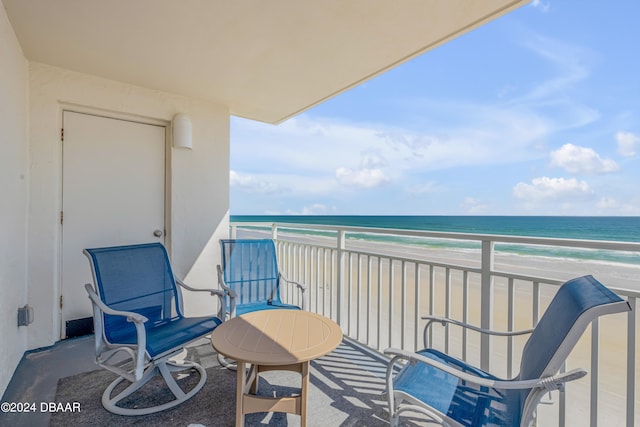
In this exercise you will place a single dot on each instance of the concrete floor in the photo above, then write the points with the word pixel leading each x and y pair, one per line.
pixel 36 378
pixel 347 384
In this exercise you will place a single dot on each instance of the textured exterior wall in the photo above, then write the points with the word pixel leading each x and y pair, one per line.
pixel 14 179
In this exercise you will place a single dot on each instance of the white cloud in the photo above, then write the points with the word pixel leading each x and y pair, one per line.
pixel 608 203
pixel 474 206
pixel 571 63
pixel 488 135
pixel 630 207
pixel 552 189
pixel 315 209
pixel 372 159
pixel 539 4
pixel 577 159
pixel 304 145
pixel 312 209
pixel 506 91
pixel 424 188
pixel 628 143
pixel 365 178
pixel 250 183
pixel 319 158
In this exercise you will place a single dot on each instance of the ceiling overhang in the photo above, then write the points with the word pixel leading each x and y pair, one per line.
pixel 265 60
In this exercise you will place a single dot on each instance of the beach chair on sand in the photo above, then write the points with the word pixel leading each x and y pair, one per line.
pixel 138 312
pixel 450 392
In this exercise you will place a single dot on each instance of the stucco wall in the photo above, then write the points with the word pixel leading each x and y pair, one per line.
pixel 14 178
pixel 199 182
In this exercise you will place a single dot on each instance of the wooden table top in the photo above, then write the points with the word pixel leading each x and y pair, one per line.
pixel 276 337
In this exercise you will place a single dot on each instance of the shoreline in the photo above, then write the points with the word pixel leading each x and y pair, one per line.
pixel 616 275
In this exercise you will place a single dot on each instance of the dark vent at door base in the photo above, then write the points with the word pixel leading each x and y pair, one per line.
pixel 79 327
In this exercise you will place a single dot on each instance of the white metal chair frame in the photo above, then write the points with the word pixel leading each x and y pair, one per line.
pixel 233 295
pixel 549 381
pixel 144 366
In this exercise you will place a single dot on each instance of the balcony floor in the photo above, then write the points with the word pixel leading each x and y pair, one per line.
pixel 346 390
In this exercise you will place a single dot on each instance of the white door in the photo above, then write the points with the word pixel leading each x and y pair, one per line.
pixel 113 193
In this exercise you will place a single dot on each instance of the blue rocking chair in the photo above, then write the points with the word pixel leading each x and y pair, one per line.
pixel 450 392
pixel 137 311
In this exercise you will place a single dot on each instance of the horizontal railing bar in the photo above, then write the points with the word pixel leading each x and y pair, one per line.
pixel 621 246
pixel 503 238
pixel 407 259
pixel 496 273
pixel 526 278
pixel 458 267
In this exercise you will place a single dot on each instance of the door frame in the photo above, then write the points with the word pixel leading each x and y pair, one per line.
pixel 108 114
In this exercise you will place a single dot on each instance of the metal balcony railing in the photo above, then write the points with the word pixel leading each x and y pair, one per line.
pixel 378 292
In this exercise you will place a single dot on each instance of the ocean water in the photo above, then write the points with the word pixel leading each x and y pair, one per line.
pixel 620 229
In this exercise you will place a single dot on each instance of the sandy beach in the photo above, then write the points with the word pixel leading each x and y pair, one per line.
pixel 613 328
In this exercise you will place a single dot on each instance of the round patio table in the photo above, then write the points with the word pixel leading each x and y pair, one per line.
pixel 271 340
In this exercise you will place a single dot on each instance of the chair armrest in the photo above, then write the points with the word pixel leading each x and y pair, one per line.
pixel 228 291
pixel 549 383
pixel 221 294
pixel 216 292
pixel 130 315
pixel 300 286
pixel 444 320
pixel 223 284
pixel 138 321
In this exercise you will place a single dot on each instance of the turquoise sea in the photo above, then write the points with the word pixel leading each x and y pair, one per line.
pixel 615 228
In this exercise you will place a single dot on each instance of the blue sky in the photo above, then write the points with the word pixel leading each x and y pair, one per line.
pixel 535 113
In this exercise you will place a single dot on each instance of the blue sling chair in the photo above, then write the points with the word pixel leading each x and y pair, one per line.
pixel 450 392
pixel 138 312
pixel 249 274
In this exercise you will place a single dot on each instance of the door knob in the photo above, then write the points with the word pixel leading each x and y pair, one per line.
pixel 157 233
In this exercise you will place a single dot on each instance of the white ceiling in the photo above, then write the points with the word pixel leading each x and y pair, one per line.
pixel 265 59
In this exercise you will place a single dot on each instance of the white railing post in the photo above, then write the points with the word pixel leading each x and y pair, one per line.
pixel 486 302
pixel 233 230
pixel 594 373
pixel 274 231
pixel 341 291
pixel 631 361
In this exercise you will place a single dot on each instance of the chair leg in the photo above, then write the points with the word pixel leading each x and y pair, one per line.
pixel 164 368
pixel 227 363
pixel 394 419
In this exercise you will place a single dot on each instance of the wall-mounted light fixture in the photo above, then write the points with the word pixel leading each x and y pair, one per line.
pixel 182 131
